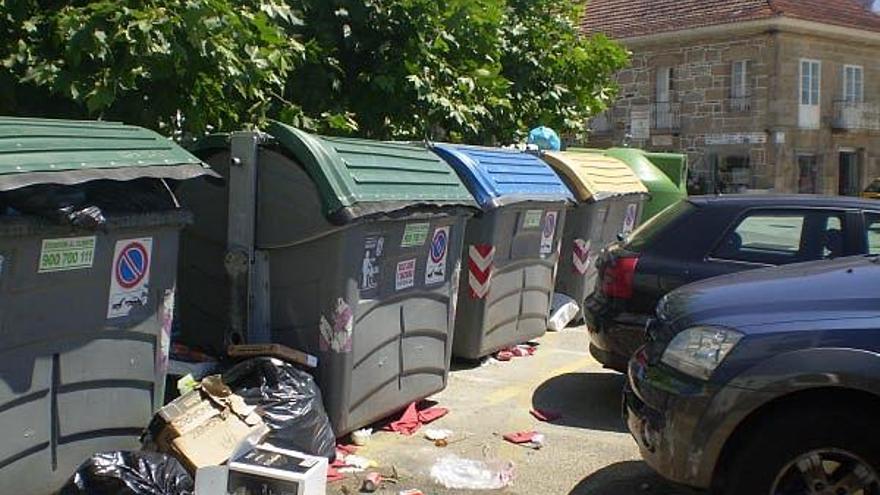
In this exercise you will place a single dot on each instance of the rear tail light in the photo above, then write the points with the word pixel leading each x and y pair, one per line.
pixel 617 280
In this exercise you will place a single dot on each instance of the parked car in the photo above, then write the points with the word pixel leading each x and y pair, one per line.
pixel 707 236
pixel 764 382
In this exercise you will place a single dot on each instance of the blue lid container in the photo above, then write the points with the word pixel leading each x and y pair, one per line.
pixel 498 177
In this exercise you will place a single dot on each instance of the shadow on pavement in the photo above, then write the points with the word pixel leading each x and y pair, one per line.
pixel 585 400
pixel 628 478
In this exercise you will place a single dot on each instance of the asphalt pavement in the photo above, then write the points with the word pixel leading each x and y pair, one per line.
pixel 587 451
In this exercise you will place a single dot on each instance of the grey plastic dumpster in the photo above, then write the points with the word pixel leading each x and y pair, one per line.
pixel 354 248
pixel 85 314
pixel 610 201
pixel 511 247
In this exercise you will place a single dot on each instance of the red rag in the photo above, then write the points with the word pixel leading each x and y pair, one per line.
pixel 504 355
pixel 545 415
pixel 520 437
pixel 412 419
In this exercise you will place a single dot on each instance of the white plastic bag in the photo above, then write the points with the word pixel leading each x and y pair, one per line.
pixel 562 311
pixel 468 474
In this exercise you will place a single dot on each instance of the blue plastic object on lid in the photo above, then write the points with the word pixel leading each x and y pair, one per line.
pixel 497 176
pixel 545 139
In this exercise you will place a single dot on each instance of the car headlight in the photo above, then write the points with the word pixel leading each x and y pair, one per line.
pixel 698 351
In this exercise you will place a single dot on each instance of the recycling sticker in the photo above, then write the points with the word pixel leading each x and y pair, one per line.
pixel 130 276
pixel 435 268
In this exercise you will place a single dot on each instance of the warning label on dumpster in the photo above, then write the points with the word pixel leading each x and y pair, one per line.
pixel 548 232
pixel 130 276
pixel 374 246
pixel 71 253
pixel 435 268
pixel 415 234
pixel 406 275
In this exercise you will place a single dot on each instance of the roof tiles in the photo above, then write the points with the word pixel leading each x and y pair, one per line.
pixel 631 18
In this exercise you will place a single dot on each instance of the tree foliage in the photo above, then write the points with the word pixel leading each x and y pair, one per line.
pixel 464 70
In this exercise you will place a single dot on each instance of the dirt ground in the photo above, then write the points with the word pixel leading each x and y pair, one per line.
pixel 588 451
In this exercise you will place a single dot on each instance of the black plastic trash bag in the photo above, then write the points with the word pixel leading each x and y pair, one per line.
pixel 130 473
pixel 289 401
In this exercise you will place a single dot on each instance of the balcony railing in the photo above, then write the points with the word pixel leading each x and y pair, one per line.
pixel 740 104
pixel 666 116
pixel 856 115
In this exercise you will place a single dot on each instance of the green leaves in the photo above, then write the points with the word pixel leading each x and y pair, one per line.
pixel 482 71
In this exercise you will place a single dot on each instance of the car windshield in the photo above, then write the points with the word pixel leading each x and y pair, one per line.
pixel 652 227
pixel 873 187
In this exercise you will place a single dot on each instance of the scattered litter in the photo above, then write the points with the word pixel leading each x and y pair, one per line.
pixel 563 310
pixel 521 350
pixel 411 491
pixel 372 482
pixel 545 415
pixel 468 474
pixel 266 468
pixel 354 463
pixel 186 384
pixel 289 401
pixel 412 419
pixel 361 437
pixel 531 439
pixel 130 473
pixel 435 434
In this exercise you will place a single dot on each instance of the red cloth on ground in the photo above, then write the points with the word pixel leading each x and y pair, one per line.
pixel 545 415
pixel 412 419
pixel 520 437
pixel 342 450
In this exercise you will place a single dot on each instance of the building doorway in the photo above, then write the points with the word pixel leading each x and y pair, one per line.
pixel 849 178
pixel 808 174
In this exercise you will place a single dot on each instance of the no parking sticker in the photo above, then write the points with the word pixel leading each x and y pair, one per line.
pixel 435 268
pixel 130 276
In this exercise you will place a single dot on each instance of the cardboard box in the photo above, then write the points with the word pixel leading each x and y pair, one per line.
pixel 204 427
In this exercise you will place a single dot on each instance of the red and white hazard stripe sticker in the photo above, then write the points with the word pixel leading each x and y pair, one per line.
pixel 481 260
pixel 580 256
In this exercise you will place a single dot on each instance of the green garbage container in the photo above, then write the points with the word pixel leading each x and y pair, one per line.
pixel 664 174
pixel 610 200
pixel 85 312
pixel 347 249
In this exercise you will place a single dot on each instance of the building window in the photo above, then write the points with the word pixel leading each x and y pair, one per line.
pixel 808 174
pixel 664 85
pixel 853 84
pixel 811 75
pixel 739 87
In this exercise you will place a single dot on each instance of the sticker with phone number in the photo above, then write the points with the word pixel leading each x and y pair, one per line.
pixel 71 253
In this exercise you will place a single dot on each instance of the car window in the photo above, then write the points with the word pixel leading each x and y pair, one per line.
pixel 648 230
pixel 780 237
pixel 873 187
pixel 872 232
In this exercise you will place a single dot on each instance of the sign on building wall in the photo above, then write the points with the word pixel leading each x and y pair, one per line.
pixel 640 123
pixel 736 138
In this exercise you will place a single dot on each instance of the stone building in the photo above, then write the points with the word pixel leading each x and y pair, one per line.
pixel 775 95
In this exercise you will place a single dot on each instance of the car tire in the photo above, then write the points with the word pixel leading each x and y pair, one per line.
pixel 771 448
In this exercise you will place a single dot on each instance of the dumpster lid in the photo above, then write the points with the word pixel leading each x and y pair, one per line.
pixel 498 176
pixel 660 172
pixel 594 175
pixel 359 177
pixel 44 151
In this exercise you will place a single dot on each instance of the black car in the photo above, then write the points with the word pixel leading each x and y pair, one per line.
pixel 707 236
pixel 765 382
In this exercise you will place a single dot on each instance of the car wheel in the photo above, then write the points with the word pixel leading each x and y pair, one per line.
pixel 805 453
